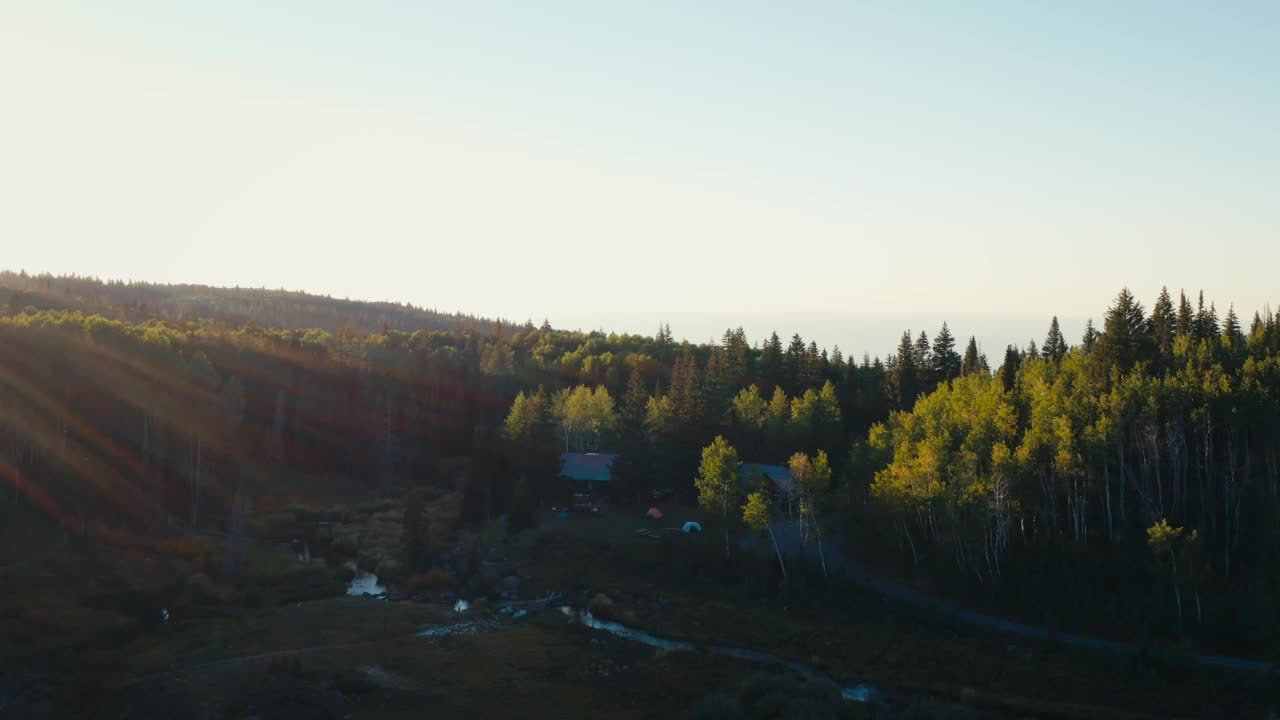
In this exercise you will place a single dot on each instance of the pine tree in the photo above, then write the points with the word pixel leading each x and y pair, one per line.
pixel 686 391
pixel 1258 334
pixel 1185 326
pixel 1124 336
pixel 946 361
pixel 1032 352
pixel 1231 327
pixel 1203 323
pixel 1055 346
pixel 1212 331
pixel 771 361
pixel 922 356
pixel 634 401
pixel 1164 324
pixel 969 365
pixel 736 354
pixel 793 361
pixel 1089 338
pixel 905 376
pixel 811 370
pixel 1008 372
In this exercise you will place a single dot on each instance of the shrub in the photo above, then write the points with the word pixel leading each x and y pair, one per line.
pixel 389 570
pixel 434 580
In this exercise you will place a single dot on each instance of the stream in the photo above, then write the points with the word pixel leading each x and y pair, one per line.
pixel 861 693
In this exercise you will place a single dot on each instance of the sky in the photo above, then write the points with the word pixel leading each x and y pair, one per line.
pixel 619 162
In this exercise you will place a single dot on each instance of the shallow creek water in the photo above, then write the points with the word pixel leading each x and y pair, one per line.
pixel 862 692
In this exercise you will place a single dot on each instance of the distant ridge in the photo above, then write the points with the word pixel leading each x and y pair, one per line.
pixel 285 309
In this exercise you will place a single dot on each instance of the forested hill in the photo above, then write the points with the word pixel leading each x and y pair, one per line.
pixel 1129 482
pixel 286 309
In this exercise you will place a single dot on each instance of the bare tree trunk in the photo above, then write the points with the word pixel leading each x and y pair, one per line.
pixel 915 557
pixel 724 525
pixel 776 551
pixel 817 529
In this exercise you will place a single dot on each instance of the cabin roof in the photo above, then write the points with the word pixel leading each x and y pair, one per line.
pixel 597 467
pixel 778 475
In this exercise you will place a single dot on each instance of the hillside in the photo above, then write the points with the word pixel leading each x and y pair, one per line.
pixel 285 309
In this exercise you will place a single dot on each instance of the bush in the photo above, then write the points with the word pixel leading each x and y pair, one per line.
pixel 434 580
pixel 201 552
pixel 389 570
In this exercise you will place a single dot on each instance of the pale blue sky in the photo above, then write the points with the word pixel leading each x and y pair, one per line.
pixel 544 158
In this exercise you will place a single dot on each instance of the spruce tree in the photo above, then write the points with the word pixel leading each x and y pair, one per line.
pixel 922 357
pixel 1231 326
pixel 1163 327
pixel 771 361
pixel 1008 372
pixel 969 365
pixel 634 401
pixel 1212 331
pixel 1201 326
pixel 947 363
pixel 737 353
pixel 904 374
pixel 1055 346
pixel 1124 335
pixel 1089 338
pixel 811 368
pixel 685 393
pixel 1186 325
pixel 793 361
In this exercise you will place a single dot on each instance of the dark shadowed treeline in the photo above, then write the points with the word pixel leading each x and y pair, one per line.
pixel 156 425
pixel 141 427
